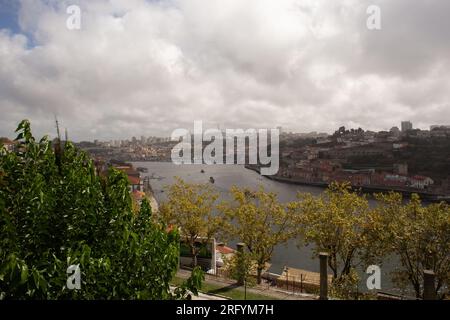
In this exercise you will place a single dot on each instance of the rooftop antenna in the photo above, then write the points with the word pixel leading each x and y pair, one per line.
pixel 57 128
pixel 58 151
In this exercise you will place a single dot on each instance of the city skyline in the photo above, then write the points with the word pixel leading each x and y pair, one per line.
pixel 149 67
pixel 143 138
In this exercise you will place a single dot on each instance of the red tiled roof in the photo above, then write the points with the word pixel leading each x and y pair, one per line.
pixel 128 170
pixel 6 141
pixel 224 249
pixel 417 177
pixel 134 180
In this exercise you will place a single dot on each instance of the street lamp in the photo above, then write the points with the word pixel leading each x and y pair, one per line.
pixel 286 269
pixel 245 288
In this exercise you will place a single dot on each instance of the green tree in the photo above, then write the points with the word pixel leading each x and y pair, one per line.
pixel 419 235
pixel 336 222
pixel 56 211
pixel 241 267
pixel 190 207
pixel 257 219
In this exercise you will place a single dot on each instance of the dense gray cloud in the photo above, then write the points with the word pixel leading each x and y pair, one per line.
pixel 147 67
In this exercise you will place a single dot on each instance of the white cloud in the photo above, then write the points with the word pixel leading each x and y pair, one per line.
pixel 147 67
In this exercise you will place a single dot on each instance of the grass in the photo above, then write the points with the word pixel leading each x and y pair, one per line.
pixel 230 291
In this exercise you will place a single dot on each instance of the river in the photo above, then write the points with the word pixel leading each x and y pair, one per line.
pixel 226 176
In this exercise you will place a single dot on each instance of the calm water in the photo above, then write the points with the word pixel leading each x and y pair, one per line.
pixel 226 176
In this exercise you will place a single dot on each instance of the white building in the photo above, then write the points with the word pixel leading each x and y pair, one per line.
pixel 420 182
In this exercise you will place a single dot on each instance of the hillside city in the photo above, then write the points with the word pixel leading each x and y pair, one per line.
pixel 402 159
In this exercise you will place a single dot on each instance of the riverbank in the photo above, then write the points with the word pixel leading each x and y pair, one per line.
pixel 150 194
pixel 161 175
pixel 427 197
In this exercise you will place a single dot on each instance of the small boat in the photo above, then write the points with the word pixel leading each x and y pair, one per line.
pixel 211 179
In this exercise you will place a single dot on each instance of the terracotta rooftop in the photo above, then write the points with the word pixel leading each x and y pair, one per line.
pixel 417 177
pixel 134 180
pixel 224 249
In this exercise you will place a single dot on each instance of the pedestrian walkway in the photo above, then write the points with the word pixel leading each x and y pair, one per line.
pixel 261 290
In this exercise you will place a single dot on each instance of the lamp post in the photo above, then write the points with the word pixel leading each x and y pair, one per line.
pixel 241 263
pixel 286 269
pixel 245 288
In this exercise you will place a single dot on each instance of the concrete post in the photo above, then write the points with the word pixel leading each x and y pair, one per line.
pixel 429 291
pixel 240 251
pixel 323 256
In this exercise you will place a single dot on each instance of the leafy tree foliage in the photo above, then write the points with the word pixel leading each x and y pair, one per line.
pixel 341 223
pixel 257 219
pixel 335 222
pixel 242 267
pixel 419 235
pixel 56 211
pixel 190 207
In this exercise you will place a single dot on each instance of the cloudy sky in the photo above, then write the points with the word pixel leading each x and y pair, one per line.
pixel 140 67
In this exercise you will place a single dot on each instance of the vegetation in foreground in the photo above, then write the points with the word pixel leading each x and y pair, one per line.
pixel 339 222
pixel 56 211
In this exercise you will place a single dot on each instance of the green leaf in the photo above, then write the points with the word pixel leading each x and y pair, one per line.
pixel 24 274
